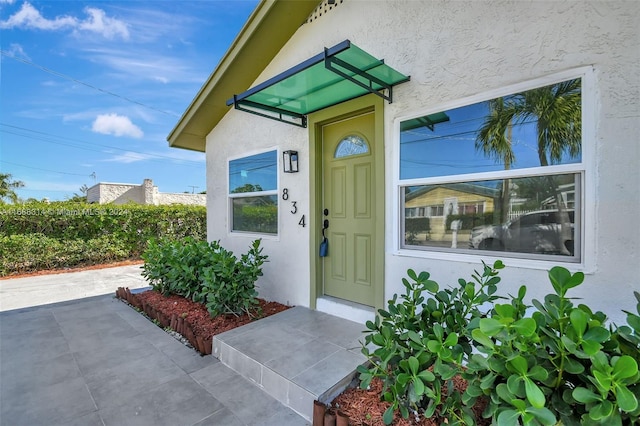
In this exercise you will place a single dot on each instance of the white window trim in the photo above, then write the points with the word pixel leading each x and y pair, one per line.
pixel 587 168
pixel 230 197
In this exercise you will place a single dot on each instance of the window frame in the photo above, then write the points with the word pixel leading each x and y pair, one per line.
pixel 585 169
pixel 231 196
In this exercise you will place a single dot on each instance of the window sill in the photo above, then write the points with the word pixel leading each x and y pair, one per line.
pixel 511 262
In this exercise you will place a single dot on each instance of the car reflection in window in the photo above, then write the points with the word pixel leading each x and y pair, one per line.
pixel 546 232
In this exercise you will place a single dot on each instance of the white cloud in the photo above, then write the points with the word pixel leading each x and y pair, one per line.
pixel 16 51
pixel 96 22
pixel 7 1
pixel 29 17
pixel 129 157
pixel 99 22
pixel 117 125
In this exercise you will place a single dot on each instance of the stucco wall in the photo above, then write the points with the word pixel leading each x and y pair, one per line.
pixel 455 50
pixel 104 193
pixel 147 193
pixel 178 198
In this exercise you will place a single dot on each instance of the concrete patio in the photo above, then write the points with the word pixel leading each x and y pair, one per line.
pixel 96 361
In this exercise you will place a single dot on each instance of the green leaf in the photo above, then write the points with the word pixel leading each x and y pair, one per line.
pixel 490 326
pixel 452 340
pixel 538 373
pixel 525 326
pixel 534 393
pixel 585 396
pixel 418 386
pixel 415 336
pixel 434 346
pixel 543 415
pixel 413 365
pixel 626 400
pixel 601 411
pixel 597 334
pixel 504 393
pixel 519 365
pixel 426 376
pixel 579 321
pixel 387 417
pixel 591 347
pixel 625 367
pixel 505 311
pixel 508 418
pixel 482 338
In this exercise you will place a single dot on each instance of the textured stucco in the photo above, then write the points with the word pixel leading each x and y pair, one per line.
pixel 147 193
pixel 454 50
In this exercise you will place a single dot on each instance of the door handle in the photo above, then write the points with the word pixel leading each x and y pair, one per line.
pixel 326 224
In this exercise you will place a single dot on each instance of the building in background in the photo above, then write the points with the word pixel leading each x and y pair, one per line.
pixel 147 193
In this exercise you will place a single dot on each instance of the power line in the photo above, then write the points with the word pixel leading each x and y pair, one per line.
pixel 59 74
pixel 46 138
pixel 45 170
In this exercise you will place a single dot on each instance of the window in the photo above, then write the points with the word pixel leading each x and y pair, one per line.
pixel 502 175
pixel 253 193
pixel 351 145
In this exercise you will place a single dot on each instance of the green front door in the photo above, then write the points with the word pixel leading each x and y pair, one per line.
pixel 349 202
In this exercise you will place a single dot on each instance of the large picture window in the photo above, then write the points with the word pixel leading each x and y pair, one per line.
pixel 502 175
pixel 253 186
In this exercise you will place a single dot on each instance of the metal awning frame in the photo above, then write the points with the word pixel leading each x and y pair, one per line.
pixel 331 63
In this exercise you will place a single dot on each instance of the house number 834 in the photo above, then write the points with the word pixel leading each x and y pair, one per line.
pixel 294 207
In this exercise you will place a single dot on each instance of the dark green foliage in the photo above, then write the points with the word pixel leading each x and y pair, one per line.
pixel 35 252
pixel 122 231
pixel 558 364
pixel 422 343
pixel 206 273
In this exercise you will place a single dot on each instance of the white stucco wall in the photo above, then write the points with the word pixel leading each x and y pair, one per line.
pixel 147 193
pixel 454 50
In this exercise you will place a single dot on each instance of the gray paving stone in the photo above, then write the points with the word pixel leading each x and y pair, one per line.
pixel 117 385
pixel 222 417
pixel 45 405
pixel 179 402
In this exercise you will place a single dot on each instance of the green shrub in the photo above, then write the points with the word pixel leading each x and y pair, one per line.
pixel 206 273
pixel 121 231
pixel 423 342
pixel 470 221
pixel 32 252
pixel 560 363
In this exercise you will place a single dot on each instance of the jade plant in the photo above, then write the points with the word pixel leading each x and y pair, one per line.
pixel 421 343
pixel 205 272
pixel 557 365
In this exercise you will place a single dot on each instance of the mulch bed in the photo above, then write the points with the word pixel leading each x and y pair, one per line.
pixel 363 407
pixel 191 319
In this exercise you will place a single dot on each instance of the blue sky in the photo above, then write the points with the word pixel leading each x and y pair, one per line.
pixel 89 90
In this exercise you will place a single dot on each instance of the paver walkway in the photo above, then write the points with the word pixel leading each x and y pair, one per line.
pixel 95 361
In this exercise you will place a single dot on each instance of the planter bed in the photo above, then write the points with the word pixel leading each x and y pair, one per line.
pixel 191 319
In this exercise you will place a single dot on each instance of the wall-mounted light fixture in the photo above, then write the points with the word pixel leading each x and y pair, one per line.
pixel 290 161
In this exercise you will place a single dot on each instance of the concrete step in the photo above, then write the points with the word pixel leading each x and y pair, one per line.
pixel 296 356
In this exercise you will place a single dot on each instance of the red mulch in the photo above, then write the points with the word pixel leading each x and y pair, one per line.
pixel 76 269
pixel 198 316
pixel 364 407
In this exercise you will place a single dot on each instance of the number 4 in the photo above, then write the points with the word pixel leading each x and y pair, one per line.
pixel 302 222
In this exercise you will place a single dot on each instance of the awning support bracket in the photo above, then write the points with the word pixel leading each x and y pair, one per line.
pixel 330 60
pixel 239 105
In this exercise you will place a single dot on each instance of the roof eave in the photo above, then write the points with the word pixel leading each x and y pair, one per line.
pixel 269 27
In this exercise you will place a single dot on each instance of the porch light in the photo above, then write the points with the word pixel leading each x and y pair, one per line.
pixel 290 161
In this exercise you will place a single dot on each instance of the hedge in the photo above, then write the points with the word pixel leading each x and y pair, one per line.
pixel 38 236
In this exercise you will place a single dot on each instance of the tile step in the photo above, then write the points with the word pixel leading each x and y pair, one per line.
pixel 296 356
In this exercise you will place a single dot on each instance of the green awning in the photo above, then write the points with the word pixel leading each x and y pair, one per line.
pixel 338 74
pixel 428 121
